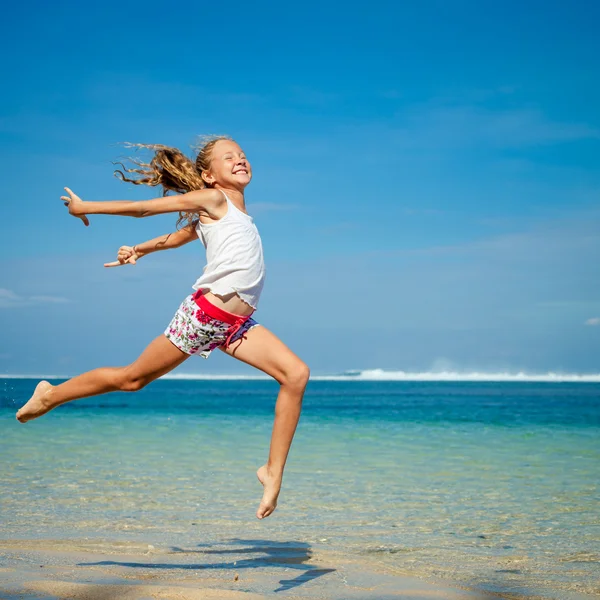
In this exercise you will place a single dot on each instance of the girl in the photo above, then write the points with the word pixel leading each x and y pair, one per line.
pixel 210 201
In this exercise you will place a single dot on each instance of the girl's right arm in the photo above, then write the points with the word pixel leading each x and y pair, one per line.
pixel 201 201
pixel 130 254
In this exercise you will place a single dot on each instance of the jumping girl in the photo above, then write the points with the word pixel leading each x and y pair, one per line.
pixel 210 201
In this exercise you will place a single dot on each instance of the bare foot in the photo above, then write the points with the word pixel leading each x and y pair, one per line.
pixel 272 486
pixel 37 405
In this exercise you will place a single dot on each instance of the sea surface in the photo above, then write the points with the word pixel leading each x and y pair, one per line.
pixel 494 486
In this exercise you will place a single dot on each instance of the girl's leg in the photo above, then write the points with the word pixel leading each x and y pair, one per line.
pixel 266 352
pixel 160 357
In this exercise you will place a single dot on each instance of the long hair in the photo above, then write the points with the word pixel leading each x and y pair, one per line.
pixel 172 170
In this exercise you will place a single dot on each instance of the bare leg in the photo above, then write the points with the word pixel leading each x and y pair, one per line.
pixel 263 350
pixel 160 357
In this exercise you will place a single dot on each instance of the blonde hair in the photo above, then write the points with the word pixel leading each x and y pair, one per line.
pixel 172 169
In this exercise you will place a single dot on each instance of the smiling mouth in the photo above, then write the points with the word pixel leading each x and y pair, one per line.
pixel 241 171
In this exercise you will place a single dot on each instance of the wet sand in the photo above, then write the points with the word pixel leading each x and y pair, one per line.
pixel 101 570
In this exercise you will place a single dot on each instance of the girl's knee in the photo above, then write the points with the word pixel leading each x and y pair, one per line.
pixel 296 375
pixel 133 385
pixel 127 381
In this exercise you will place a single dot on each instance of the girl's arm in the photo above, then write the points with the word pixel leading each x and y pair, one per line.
pixel 197 201
pixel 130 254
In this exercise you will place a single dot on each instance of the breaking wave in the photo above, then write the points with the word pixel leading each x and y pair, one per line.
pixel 382 375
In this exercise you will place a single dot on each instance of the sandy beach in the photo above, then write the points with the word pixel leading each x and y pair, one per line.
pixel 101 570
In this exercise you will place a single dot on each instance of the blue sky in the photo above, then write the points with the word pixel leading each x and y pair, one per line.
pixel 426 178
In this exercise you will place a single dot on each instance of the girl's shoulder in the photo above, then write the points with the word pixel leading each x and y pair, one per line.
pixel 208 195
pixel 208 198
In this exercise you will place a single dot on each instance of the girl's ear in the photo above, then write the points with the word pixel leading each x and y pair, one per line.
pixel 207 177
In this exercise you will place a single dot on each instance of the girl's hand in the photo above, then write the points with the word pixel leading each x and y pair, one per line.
pixel 75 205
pixel 127 255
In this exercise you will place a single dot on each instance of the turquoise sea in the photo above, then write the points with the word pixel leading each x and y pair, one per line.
pixel 494 486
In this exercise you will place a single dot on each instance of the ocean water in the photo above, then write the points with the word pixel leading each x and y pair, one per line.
pixel 488 485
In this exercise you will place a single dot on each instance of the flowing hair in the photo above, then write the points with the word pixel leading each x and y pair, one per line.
pixel 172 170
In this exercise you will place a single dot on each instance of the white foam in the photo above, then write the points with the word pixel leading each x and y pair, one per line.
pixel 382 375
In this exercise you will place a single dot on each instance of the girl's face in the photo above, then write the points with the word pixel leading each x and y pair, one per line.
pixel 229 166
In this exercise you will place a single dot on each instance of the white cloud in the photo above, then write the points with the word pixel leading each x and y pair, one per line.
pixel 49 299
pixel 593 321
pixel 461 125
pixel 9 299
pixel 443 126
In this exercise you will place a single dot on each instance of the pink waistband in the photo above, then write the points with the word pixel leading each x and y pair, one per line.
pixel 217 313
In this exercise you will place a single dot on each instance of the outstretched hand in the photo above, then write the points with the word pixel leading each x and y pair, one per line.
pixel 125 256
pixel 75 206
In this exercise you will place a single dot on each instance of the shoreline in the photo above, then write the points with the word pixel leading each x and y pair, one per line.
pixel 95 570
pixel 99 570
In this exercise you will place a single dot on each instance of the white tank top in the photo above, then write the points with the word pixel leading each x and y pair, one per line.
pixel 234 256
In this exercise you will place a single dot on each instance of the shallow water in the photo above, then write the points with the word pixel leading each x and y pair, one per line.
pixel 490 485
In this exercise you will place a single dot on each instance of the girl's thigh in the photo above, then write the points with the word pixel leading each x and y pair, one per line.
pixel 262 349
pixel 158 358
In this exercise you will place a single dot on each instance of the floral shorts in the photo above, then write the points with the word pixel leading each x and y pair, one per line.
pixel 194 331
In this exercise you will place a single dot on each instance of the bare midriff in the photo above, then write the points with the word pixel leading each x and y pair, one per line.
pixel 231 303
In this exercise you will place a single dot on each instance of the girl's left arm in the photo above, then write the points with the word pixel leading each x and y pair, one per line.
pixel 129 255
pixel 195 201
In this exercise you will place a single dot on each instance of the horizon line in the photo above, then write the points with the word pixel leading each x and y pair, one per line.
pixel 379 375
